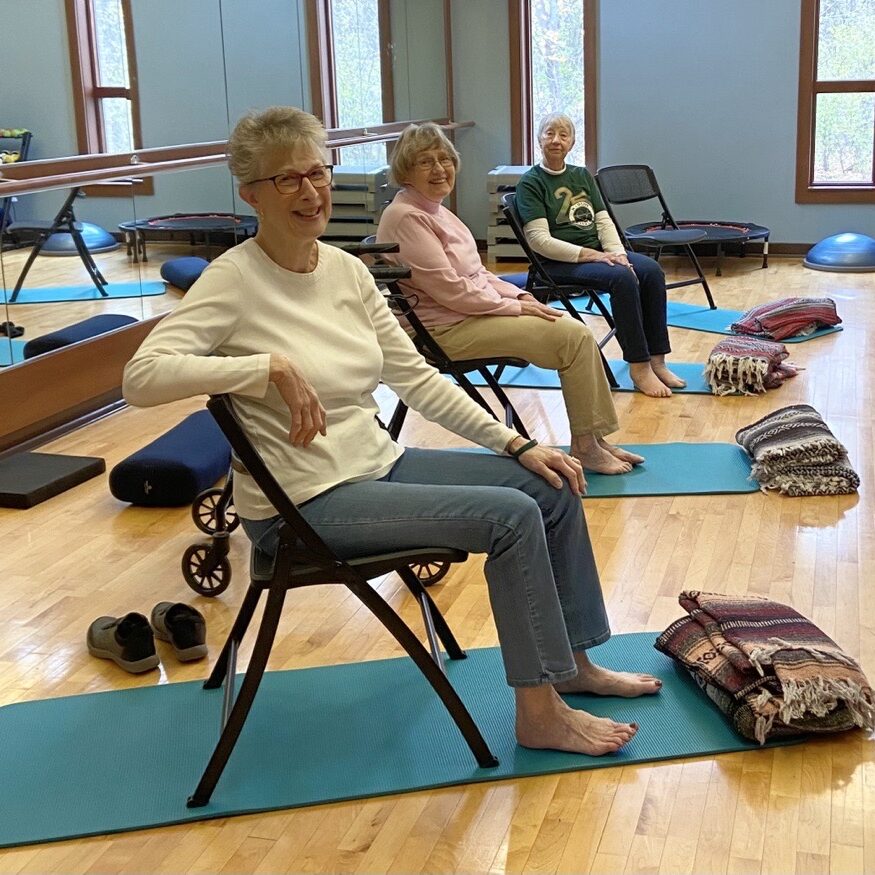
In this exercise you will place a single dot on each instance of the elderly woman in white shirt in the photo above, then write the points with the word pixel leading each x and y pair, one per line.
pixel 298 334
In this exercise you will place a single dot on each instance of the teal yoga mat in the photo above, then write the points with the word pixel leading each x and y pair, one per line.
pixel 125 760
pixel 533 377
pixel 53 294
pixel 699 317
pixel 11 356
pixel 673 469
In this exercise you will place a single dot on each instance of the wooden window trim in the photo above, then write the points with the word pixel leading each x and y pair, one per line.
pixel 807 192
pixel 522 150
pixel 85 93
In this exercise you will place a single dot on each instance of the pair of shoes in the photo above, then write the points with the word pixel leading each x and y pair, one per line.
pixel 130 643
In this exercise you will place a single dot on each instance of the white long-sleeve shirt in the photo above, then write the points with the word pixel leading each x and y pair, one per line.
pixel 336 328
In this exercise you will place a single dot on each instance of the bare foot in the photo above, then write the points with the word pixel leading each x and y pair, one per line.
pixel 620 453
pixel 646 381
pixel 544 721
pixel 596 458
pixel 673 381
pixel 604 682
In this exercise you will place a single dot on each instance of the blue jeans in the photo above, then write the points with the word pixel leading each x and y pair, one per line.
pixel 638 300
pixel 543 584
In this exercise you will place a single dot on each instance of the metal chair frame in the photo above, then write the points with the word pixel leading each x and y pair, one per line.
pixel 672 234
pixel 542 286
pixel 303 559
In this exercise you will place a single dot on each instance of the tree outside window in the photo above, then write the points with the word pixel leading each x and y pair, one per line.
pixel 552 70
pixel 836 148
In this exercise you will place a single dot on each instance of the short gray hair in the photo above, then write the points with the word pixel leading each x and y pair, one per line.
pixel 413 140
pixel 278 127
pixel 557 119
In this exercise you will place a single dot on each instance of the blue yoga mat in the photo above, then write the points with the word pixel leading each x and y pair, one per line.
pixel 13 356
pixel 717 321
pixel 53 294
pixel 697 317
pixel 110 762
pixel 672 469
pixel 533 377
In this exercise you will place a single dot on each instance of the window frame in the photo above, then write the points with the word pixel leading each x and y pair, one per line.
pixel 807 191
pixel 87 93
pixel 521 122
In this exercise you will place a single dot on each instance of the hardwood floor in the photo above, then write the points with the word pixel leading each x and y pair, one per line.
pixel 803 809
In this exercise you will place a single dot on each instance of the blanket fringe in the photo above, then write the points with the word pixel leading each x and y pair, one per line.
pixel 729 374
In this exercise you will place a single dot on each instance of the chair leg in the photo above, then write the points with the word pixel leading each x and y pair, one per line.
pixel 245 698
pixel 235 636
pixel 427 606
pixel 89 262
pixel 438 680
pixel 466 385
pixel 37 246
pixel 700 272
pixel 511 417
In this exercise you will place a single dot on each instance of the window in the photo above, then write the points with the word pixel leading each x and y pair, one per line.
pixel 103 70
pixel 835 159
pixel 351 75
pixel 552 70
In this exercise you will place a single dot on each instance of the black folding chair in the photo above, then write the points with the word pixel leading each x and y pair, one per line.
pixel 64 221
pixel 387 276
pixel 543 287
pixel 632 183
pixel 304 559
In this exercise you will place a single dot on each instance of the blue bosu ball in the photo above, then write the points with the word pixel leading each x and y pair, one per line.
pixel 96 239
pixel 843 253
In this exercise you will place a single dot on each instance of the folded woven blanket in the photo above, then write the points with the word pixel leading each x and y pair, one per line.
pixel 788 317
pixel 748 365
pixel 769 668
pixel 795 453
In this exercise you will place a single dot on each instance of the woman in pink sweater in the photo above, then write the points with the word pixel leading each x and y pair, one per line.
pixel 473 314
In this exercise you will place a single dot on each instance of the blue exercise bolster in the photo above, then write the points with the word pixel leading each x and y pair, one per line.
pixel 74 333
pixel 173 469
pixel 182 272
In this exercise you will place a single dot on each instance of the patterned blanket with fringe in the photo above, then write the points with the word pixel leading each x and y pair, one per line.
pixel 748 365
pixel 795 453
pixel 771 670
pixel 789 317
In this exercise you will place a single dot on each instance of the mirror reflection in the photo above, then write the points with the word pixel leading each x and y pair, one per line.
pixel 166 73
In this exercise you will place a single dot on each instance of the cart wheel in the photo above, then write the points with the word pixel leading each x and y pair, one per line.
pixel 203 512
pixel 430 572
pixel 202 573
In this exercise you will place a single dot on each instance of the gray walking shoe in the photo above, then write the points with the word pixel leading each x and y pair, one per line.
pixel 183 626
pixel 127 641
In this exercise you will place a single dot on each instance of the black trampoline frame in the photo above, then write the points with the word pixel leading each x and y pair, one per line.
pixel 137 231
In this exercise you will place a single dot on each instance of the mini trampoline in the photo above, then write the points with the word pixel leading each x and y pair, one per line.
pixel 717 234
pixel 198 227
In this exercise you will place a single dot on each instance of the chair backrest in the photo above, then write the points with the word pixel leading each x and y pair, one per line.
pixel 223 412
pixel 403 304
pixel 537 272
pixel 627 183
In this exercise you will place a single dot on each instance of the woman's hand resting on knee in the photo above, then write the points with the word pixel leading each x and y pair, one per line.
pixel 551 464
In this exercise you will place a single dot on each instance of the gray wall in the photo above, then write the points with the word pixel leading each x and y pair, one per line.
pixel 702 90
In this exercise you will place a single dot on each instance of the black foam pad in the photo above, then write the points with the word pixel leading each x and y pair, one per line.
pixel 75 332
pixel 27 479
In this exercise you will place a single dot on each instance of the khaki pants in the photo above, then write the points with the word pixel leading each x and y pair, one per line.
pixel 566 346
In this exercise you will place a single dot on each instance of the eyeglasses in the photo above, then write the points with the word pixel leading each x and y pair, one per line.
pixel 290 183
pixel 427 163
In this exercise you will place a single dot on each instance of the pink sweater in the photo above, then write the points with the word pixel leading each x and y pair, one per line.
pixel 447 274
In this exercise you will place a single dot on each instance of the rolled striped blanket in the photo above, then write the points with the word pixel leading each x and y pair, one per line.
pixel 748 365
pixel 771 670
pixel 788 317
pixel 795 453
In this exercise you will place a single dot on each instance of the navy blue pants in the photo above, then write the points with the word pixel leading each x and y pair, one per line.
pixel 638 300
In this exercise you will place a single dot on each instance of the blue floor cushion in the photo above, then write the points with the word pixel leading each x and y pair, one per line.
pixel 173 469
pixel 182 272
pixel 75 332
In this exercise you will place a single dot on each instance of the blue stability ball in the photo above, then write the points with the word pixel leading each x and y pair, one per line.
pixel 96 239
pixel 847 253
